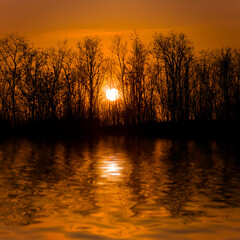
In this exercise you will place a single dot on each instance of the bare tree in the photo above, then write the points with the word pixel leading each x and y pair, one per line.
pixel 34 62
pixel 158 77
pixel 151 101
pixel 120 51
pixel 5 106
pixel 236 91
pixel 69 83
pixel 53 80
pixel 224 67
pixel 74 94
pixel 176 52
pixel 137 71
pixel 12 50
pixel 204 95
pixel 91 70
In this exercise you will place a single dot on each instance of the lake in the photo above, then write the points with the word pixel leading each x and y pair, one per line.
pixel 119 188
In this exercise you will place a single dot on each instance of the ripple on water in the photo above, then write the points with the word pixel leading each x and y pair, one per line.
pixel 119 188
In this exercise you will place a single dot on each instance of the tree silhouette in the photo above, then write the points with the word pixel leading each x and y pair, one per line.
pixel 34 62
pixel 205 87
pixel 12 51
pixel 136 78
pixel 165 81
pixel 225 77
pixel 91 70
pixel 176 52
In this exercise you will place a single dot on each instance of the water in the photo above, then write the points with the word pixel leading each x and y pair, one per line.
pixel 119 188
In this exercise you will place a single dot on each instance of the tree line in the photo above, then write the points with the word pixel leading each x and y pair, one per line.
pixel 165 80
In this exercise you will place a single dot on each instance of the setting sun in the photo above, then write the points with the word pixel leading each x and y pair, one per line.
pixel 112 94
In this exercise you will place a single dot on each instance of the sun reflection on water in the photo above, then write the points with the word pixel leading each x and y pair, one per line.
pixel 110 168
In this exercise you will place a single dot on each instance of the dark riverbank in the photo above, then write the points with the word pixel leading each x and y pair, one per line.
pixel 222 130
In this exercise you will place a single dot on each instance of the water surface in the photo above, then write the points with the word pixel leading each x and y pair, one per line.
pixel 119 188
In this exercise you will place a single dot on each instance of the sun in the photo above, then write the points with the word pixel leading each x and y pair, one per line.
pixel 112 94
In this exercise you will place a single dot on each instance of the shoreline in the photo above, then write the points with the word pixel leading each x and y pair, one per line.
pixel 204 130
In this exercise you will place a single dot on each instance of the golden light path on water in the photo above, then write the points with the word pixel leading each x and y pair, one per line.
pixel 119 188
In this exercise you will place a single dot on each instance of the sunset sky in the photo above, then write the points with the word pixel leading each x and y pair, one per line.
pixel 208 23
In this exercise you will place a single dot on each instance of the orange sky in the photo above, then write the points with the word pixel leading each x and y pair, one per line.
pixel 208 23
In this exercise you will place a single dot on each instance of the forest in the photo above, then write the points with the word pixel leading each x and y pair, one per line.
pixel 165 80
